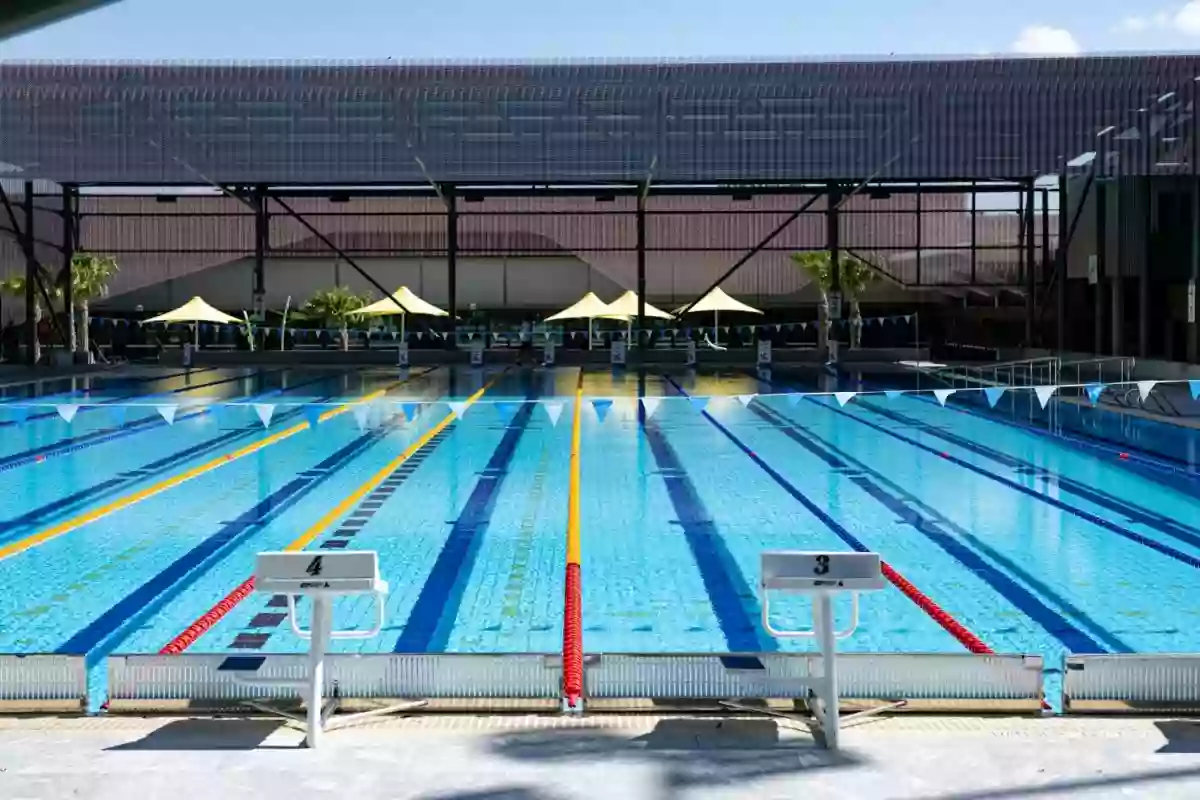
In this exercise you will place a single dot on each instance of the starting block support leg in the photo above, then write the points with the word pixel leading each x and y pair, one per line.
pixel 828 689
pixel 322 620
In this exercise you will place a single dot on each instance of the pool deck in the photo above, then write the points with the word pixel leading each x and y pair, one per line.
pixel 523 757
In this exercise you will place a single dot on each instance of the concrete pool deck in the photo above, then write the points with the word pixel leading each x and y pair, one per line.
pixel 526 757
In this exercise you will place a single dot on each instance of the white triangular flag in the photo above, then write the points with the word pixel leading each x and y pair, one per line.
pixel 554 409
pixel 844 397
pixel 67 412
pixel 1145 388
pixel 362 414
pixel 264 411
pixel 458 408
pixel 746 399
pixel 1044 393
pixel 168 413
pixel 942 395
pixel 651 404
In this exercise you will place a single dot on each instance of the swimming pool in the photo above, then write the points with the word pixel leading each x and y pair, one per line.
pixel 132 527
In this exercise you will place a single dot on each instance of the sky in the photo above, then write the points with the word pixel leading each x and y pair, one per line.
pixel 424 30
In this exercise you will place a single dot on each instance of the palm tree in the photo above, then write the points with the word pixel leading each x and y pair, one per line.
pixel 337 305
pixel 856 275
pixel 90 275
pixel 14 286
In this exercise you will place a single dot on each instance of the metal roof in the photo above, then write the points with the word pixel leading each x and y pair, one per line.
pixel 307 124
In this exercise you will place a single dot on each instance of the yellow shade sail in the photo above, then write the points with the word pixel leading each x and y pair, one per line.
pixel 194 310
pixel 587 307
pixel 402 301
pixel 627 306
pixel 716 301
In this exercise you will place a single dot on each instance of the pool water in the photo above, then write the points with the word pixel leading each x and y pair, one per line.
pixel 141 516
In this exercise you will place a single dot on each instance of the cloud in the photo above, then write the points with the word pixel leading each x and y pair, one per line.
pixel 1050 41
pixel 1187 19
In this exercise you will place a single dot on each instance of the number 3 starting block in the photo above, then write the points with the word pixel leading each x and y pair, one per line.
pixel 321 577
pixel 820 575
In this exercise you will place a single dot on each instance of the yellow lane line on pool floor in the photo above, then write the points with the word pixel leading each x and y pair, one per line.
pixel 574 550
pixel 74 523
pixel 351 500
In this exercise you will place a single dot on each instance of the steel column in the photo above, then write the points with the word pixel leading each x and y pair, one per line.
pixel 261 243
pixel 1062 263
pixel 31 332
pixel 70 198
pixel 919 220
pixel 451 199
pixel 1193 330
pixel 833 242
pixel 1144 273
pixel 641 269
pixel 1101 267
pixel 974 231
pixel 1030 272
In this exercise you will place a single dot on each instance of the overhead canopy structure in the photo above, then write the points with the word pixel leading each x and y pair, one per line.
pixel 195 311
pixel 717 301
pixel 343 125
pixel 588 307
pixel 402 302
pixel 22 16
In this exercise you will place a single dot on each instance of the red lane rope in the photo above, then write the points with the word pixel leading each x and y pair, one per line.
pixel 573 638
pixel 937 613
pixel 208 619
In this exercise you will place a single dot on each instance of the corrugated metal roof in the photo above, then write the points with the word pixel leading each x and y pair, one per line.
pixel 524 123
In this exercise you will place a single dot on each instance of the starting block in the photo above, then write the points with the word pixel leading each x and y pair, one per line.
pixel 321 577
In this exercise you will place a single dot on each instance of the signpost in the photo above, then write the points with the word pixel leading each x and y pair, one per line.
pixel 618 352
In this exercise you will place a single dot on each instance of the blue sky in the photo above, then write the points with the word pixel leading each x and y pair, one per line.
pixel 515 29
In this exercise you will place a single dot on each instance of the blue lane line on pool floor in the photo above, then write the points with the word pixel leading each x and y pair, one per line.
pixel 1133 536
pixel 733 601
pixel 75 444
pixel 257 632
pixel 1053 623
pixel 1162 524
pixel 905 506
pixel 17 526
pixel 433 615
pixel 102 635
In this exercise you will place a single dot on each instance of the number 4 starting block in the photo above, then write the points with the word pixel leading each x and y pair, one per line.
pixel 321 577
pixel 821 576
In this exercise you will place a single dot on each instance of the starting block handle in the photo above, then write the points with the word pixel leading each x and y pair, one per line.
pixel 367 634
pixel 809 634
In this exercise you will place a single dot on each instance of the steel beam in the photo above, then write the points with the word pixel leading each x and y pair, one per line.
pixel 752 252
pixel 325 240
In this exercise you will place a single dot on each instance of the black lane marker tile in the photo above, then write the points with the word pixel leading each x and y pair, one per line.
pixel 250 641
pixel 341 538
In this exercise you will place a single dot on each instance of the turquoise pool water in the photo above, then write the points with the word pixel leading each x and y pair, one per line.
pixel 1034 544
